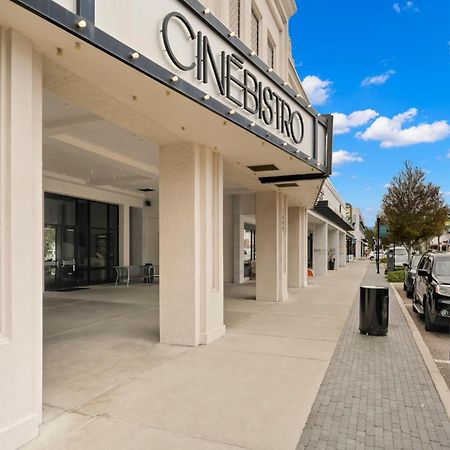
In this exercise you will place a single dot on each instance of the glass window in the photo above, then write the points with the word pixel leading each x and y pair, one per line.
pixel 83 213
pixel 60 210
pixel 113 217
pixel 442 267
pixel 271 62
pixel 235 16
pixel 99 215
pixel 99 248
pixel 255 30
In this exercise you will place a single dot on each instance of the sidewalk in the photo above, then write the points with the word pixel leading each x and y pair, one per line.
pixel 377 392
pixel 252 389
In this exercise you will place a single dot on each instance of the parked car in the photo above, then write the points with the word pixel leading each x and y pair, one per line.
pixel 410 274
pixel 373 255
pixel 432 290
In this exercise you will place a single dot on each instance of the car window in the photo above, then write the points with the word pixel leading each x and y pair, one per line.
pixel 427 265
pixel 415 261
pixel 442 267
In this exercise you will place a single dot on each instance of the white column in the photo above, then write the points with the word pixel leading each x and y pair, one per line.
pixel 320 257
pixel 191 245
pixel 297 247
pixel 124 240
pixel 342 249
pixel 271 246
pixel 21 244
pixel 238 241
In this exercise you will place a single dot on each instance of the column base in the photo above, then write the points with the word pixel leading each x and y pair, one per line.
pixel 20 432
pixel 213 335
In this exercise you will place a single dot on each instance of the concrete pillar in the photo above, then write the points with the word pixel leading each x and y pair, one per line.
pixel 21 240
pixel 124 238
pixel 191 245
pixel 342 249
pixel 238 241
pixel 297 247
pixel 150 231
pixel 320 260
pixel 271 246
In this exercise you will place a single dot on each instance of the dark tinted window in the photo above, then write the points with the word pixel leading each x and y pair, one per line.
pixel 99 215
pixel 442 267
pixel 60 210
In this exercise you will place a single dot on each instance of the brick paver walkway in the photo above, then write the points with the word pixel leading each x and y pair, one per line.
pixel 377 392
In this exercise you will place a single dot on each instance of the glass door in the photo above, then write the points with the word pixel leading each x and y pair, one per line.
pixel 66 268
pixel 50 257
pixel 59 257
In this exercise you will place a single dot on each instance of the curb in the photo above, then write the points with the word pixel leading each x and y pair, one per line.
pixel 438 380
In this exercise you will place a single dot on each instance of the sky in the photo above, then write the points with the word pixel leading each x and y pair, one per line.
pixel 383 69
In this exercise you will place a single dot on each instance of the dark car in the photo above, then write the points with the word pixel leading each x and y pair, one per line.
pixel 410 274
pixel 432 290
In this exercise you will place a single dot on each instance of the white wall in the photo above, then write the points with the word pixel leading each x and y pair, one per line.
pixel 228 244
pixel 150 231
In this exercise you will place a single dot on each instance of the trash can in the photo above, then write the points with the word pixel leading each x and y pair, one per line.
pixel 374 310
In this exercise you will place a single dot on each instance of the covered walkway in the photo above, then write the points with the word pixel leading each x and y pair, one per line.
pixel 108 381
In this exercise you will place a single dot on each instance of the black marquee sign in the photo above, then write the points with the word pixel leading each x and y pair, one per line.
pixel 229 71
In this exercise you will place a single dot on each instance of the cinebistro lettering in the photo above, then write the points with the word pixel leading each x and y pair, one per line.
pixel 235 82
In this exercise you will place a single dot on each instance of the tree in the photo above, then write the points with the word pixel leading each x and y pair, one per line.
pixel 414 210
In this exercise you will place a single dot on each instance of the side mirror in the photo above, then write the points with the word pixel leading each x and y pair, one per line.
pixel 422 273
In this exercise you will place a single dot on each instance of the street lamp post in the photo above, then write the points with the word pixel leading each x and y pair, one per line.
pixel 378 245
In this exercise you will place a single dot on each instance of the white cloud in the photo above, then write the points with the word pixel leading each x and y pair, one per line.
pixel 343 156
pixel 368 188
pixel 343 123
pixel 387 185
pixel 448 154
pixel 354 177
pixel 317 90
pixel 446 194
pixel 405 6
pixel 377 80
pixel 390 132
pixel 336 174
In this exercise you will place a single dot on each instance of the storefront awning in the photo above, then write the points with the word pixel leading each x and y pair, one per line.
pixel 325 211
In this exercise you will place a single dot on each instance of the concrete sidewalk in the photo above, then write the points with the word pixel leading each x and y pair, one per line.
pixel 377 392
pixel 252 389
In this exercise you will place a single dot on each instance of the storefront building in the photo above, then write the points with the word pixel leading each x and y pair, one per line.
pixel 170 132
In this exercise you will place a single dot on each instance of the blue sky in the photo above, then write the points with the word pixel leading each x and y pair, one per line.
pixel 389 62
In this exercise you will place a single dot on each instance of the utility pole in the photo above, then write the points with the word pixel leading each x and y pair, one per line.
pixel 378 245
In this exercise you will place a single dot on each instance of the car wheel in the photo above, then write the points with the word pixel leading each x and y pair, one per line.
pixel 404 286
pixel 410 293
pixel 429 326
pixel 372 258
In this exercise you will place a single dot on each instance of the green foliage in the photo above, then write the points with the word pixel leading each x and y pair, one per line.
pixel 397 276
pixel 414 210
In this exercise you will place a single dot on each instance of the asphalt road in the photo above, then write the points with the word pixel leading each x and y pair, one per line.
pixel 437 342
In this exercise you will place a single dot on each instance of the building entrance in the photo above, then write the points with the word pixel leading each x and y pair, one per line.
pixel 80 242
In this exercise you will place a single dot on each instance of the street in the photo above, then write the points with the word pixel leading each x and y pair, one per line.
pixel 437 342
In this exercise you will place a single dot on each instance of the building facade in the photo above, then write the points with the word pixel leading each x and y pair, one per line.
pixel 170 132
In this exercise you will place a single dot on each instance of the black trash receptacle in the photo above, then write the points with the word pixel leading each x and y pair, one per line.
pixel 374 310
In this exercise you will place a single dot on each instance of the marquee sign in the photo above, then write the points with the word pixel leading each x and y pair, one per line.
pixel 229 73
pixel 182 45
